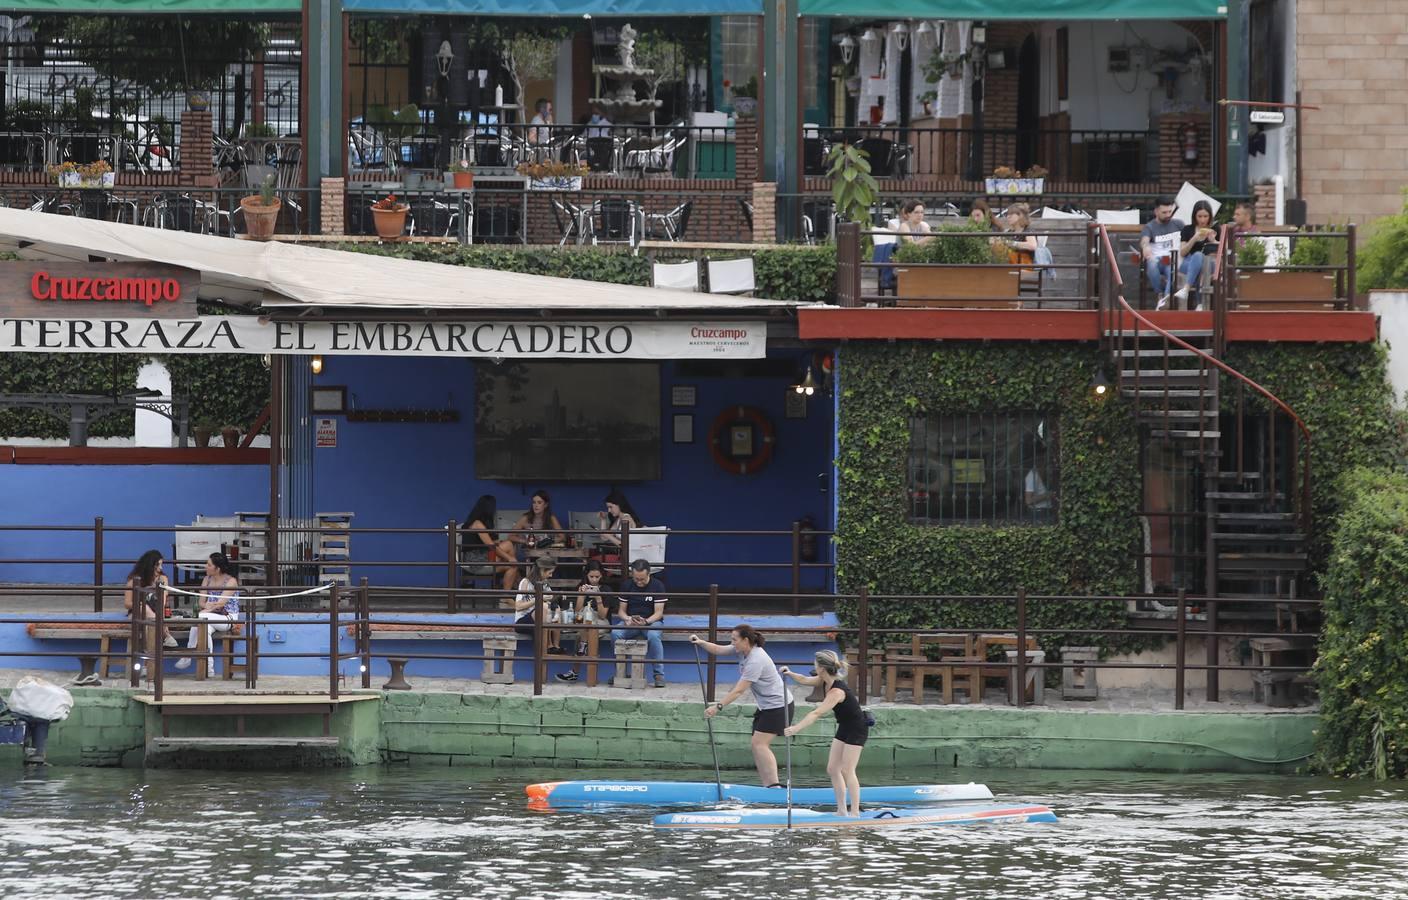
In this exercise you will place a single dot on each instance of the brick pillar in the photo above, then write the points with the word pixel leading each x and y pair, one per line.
pixel 333 204
pixel 764 212
pixel 1173 171
pixel 197 150
pixel 1265 199
pixel 746 133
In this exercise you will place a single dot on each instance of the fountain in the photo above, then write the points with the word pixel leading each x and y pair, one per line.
pixel 615 84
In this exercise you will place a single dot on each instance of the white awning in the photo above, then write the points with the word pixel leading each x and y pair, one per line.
pixel 278 274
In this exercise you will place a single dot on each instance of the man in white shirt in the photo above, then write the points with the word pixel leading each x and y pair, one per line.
pixel 542 117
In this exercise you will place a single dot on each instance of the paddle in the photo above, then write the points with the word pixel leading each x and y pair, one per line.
pixel 789 781
pixel 709 721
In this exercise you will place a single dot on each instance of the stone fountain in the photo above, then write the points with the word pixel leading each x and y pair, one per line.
pixel 615 84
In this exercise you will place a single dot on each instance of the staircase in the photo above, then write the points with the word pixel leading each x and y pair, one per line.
pixel 1255 541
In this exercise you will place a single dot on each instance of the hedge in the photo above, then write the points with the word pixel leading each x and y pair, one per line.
pixel 1362 670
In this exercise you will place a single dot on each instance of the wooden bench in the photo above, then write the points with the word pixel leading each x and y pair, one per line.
pixel 107 633
pixel 500 646
pixel 959 287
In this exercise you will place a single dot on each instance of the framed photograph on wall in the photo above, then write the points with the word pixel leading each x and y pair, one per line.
pixel 328 399
pixel 683 395
pixel 794 405
pixel 684 428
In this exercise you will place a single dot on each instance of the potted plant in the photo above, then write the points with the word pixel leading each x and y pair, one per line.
pixel 553 176
pixel 745 98
pixel 96 174
pixel 65 174
pixel 197 101
pixel 1007 180
pixel 231 436
pixel 463 175
pixel 203 433
pixel 261 211
pixel 389 215
pixel 952 246
pixel 1306 283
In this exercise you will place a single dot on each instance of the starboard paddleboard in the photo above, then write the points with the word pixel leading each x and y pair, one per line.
pixel 698 793
pixel 871 818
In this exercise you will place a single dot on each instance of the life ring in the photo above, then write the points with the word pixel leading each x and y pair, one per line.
pixel 764 440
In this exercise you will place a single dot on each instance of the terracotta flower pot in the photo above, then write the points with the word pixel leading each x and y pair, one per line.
pixel 259 220
pixel 231 436
pixel 203 433
pixel 464 180
pixel 390 223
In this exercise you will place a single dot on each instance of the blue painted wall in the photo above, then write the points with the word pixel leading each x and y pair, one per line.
pixel 422 475
pixel 123 495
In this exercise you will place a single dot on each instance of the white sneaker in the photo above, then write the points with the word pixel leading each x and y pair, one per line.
pixel 171 641
pixel 1198 308
pixel 183 663
pixel 1182 294
pixel 1163 303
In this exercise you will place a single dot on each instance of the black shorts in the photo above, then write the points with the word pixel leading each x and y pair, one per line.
pixel 772 721
pixel 856 737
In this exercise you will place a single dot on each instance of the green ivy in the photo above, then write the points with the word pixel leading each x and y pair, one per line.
pixel 1362 670
pixel 1383 259
pixel 1092 551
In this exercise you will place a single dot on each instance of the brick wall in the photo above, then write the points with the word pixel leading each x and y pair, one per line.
pixel 747 165
pixel 764 213
pixel 333 207
pixel 1352 58
pixel 197 149
pixel 1265 200
pixel 1173 169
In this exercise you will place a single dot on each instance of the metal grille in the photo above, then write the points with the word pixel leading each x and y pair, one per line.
pixel 983 469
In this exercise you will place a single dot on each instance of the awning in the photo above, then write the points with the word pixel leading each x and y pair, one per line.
pixel 117 7
pixel 998 10
pixel 574 9
pixel 294 275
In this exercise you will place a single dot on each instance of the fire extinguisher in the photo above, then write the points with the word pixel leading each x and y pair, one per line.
pixel 807 541
pixel 1189 137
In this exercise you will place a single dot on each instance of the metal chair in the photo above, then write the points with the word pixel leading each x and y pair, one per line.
pixel 568 218
pixel 613 221
pixel 603 154
pixel 657 158
pixel 671 224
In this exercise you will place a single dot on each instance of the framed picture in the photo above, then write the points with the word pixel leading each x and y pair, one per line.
pixel 684 428
pixel 683 395
pixel 740 441
pixel 329 399
pixel 794 405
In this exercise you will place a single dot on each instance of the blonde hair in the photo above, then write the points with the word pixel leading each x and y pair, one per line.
pixel 827 661
pixel 1022 212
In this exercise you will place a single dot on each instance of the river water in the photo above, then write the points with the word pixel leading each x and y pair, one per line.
pixel 450 832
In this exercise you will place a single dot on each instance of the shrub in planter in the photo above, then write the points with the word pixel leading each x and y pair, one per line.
pixel 951 245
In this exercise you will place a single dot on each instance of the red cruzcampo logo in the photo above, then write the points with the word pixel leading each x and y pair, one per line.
pixel 43 286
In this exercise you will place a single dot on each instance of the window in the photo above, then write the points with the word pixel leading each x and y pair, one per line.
pixel 738 45
pixel 983 469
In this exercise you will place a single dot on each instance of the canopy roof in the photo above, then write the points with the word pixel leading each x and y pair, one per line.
pixel 564 8
pixel 151 6
pixel 293 275
pixel 997 10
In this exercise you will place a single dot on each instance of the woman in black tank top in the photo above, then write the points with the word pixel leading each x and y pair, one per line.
pixel 851 727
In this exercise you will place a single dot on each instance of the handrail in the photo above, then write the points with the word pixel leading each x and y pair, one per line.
pixel 1209 358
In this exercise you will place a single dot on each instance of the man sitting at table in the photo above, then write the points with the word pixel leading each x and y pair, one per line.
pixel 541 130
pixel 641 613
pixel 598 126
pixel 1156 242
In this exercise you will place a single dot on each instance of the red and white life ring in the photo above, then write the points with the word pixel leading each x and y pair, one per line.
pixel 764 440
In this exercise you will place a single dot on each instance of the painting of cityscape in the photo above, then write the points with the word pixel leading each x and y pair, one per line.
pixel 567 421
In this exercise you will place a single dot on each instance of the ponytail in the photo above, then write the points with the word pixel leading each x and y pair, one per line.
pixel 750 634
pixel 827 661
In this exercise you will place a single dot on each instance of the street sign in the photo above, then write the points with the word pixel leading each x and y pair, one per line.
pixel 1268 117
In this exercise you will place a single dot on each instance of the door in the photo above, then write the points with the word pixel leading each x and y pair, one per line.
pixel 1028 103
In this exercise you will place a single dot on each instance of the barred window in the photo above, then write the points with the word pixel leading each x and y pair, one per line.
pixel 983 469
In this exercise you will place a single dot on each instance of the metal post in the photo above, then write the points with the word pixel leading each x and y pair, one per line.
pixel 863 624
pixel 1021 647
pixel 1178 671
pixel 1212 649
pixel 159 642
pixel 713 638
pixel 97 564
pixel 1351 289
pixel 364 629
pixel 625 546
pixel 452 564
pixel 278 368
pixel 539 640
pixel 134 640
pixel 332 643
pixel 796 568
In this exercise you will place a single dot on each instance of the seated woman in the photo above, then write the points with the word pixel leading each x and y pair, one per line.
pixel 980 214
pixel 1196 241
pixel 526 602
pixel 1021 249
pixel 537 529
pixel 142 584
pixel 912 227
pixel 590 610
pixel 480 547
pixel 219 605
pixel 618 511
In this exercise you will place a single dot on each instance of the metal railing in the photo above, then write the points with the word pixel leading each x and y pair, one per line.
pixel 214 211
pixel 1013 619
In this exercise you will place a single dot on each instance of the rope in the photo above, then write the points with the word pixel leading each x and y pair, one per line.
pixel 204 596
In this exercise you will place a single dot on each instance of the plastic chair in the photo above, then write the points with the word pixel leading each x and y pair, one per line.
pixel 731 276
pixel 676 276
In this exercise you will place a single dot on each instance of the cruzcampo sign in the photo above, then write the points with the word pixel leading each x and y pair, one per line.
pixel 659 339
pixel 64 290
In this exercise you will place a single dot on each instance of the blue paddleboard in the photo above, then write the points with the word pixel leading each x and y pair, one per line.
pixel 702 793
pixel 870 818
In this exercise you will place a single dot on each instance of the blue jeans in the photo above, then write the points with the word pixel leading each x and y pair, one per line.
pixel 654 646
pixel 1158 272
pixel 1192 269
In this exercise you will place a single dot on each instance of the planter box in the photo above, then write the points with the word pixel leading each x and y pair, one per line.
pixel 1016 185
pixel 958 287
pixel 558 183
pixel 1286 290
pixel 69 179
pixel 106 180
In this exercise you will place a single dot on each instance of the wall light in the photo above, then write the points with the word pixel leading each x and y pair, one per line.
pixel 317 365
pixel 901 35
pixel 848 49
pixel 444 58
pixel 1099 385
pixel 869 37
pixel 808 385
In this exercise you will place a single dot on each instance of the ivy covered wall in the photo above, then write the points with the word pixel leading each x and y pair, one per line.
pixel 1341 391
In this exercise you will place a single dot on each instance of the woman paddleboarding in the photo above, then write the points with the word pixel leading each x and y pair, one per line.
pixel 756 670
pixel 852 728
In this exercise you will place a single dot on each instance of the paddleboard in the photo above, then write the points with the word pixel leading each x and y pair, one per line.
pixel 701 793
pixel 870 818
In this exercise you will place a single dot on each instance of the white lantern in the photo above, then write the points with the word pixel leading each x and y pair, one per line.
pixel 901 35
pixel 848 49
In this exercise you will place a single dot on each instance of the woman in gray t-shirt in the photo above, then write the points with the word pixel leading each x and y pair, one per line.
pixel 756 670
